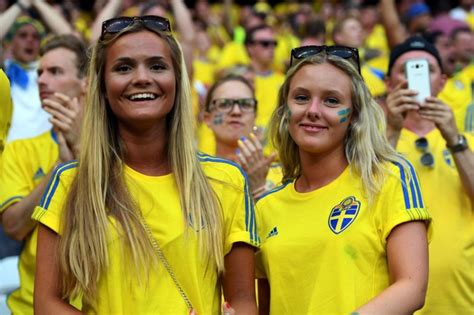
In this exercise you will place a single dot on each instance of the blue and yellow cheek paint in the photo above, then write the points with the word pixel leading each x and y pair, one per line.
pixel 344 114
pixel 218 119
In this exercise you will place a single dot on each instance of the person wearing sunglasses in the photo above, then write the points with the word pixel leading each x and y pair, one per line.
pixel 230 111
pixel 426 133
pixel 142 224
pixel 347 231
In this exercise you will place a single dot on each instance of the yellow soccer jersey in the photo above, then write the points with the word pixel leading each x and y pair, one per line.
pixel 324 252
pixel 5 110
pixel 26 162
pixel 451 280
pixel 457 94
pixel 266 93
pixel 119 292
pixel 375 84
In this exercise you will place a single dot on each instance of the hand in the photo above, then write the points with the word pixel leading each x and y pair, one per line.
pixel 399 101
pixel 25 3
pixel 441 114
pixel 65 152
pixel 66 117
pixel 252 160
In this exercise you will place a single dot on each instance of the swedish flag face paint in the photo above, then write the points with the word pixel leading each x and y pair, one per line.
pixel 344 114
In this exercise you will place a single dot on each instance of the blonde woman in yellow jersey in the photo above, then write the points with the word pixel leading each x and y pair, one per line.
pixel 347 232
pixel 230 111
pixel 142 224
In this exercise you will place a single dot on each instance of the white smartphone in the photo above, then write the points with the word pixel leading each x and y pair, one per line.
pixel 417 72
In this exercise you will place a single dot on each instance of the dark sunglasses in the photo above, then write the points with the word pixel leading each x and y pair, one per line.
pixel 265 43
pixel 339 51
pixel 118 24
pixel 427 158
pixel 226 105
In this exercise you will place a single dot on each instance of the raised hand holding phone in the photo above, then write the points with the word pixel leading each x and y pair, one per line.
pixel 417 72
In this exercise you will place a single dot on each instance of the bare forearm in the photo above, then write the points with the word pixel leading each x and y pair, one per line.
pixel 393 136
pixel 465 165
pixel 16 219
pixel 55 21
pixel 402 297
pixel 396 32
pixel 55 306
pixel 8 18
pixel 111 9
pixel 185 27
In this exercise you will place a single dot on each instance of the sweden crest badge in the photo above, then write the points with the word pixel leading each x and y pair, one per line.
pixel 343 214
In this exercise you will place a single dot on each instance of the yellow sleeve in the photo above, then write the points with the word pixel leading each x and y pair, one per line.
pixel 401 201
pixel 231 186
pixel 16 180
pixel 49 211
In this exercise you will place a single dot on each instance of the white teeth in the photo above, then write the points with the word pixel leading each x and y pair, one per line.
pixel 142 96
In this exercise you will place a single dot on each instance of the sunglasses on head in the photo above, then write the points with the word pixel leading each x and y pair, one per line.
pixel 226 105
pixel 265 43
pixel 118 24
pixel 343 52
pixel 427 158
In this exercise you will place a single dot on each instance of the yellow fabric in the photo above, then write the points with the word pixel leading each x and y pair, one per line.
pixel 274 176
pixel 232 54
pixel 451 280
pixel 266 93
pixel 374 83
pixel 26 163
pixel 316 264
pixel 203 72
pixel 118 291
pixel 206 139
pixel 377 39
pixel 457 94
pixel 6 109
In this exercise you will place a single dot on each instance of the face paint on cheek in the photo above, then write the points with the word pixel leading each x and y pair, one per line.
pixel 218 119
pixel 344 114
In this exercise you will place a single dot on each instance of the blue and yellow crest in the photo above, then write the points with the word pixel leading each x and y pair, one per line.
pixel 343 214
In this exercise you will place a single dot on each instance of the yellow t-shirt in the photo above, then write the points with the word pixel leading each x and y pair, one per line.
pixel 324 252
pixel 377 39
pixel 375 84
pixel 26 162
pixel 451 277
pixel 119 291
pixel 266 93
pixel 6 109
pixel 457 94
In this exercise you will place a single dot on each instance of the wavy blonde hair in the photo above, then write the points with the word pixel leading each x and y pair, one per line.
pixel 366 147
pixel 99 190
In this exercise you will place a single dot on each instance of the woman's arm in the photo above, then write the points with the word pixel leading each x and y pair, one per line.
pixel 263 297
pixel 407 252
pixel 238 280
pixel 47 296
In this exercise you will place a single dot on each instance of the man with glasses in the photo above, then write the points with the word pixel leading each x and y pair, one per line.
pixel 427 135
pixel 261 42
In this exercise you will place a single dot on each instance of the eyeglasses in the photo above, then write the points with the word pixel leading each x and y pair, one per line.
pixel 226 105
pixel 339 51
pixel 427 158
pixel 265 43
pixel 118 24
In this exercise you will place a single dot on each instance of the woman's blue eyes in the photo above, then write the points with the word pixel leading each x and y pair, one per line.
pixel 328 100
pixel 127 68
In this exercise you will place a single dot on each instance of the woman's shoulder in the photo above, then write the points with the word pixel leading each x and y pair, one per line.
pixel 222 169
pixel 62 176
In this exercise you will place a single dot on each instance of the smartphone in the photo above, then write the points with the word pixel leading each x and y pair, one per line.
pixel 417 72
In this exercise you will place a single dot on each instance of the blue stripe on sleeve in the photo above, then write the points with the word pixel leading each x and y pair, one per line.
pixel 250 224
pixel 404 185
pixel 414 179
pixel 10 201
pixel 54 182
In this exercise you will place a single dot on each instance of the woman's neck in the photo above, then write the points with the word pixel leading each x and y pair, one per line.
pixel 147 151
pixel 226 150
pixel 318 170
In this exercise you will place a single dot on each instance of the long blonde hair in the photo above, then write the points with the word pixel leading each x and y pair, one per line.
pixel 366 147
pixel 99 190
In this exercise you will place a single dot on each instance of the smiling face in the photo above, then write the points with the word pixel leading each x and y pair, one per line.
pixel 320 105
pixel 229 127
pixel 140 79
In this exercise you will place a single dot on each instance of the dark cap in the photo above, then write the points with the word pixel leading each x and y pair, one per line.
pixel 411 44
